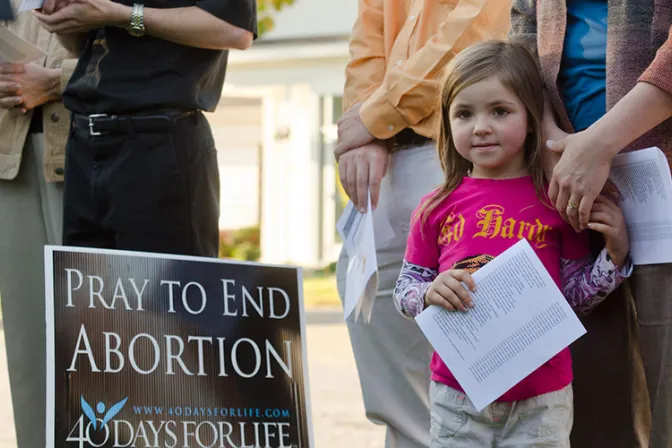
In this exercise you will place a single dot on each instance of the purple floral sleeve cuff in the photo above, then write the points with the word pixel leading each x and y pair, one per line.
pixel 412 285
pixel 587 282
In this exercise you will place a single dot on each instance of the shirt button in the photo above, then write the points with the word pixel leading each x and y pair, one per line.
pixel 59 171
pixel 412 18
pixel 55 118
pixel 399 62
pixel 390 127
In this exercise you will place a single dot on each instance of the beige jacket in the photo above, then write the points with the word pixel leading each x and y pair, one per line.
pixel 56 119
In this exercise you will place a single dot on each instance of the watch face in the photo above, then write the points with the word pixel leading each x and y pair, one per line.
pixel 137 32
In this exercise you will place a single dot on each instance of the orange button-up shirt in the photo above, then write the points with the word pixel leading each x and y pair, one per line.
pixel 398 51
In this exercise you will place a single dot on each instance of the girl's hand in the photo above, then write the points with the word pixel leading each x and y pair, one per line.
pixel 607 218
pixel 447 291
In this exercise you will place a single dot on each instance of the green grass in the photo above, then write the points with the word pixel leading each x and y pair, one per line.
pixel 319 291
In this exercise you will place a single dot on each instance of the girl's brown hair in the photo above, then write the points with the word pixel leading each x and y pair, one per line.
pixel 516 69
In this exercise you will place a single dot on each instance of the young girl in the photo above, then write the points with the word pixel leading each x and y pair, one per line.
pixel 494 195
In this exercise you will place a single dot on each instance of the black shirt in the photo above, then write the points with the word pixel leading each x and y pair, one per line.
pixel 121 74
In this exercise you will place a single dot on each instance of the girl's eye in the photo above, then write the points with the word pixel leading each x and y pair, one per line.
pixel 500 112
pixel 463 114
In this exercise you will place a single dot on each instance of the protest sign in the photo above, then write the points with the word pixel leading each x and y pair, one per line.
pixel 147 350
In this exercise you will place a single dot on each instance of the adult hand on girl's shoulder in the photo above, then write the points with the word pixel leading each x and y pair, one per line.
pixel 362 169
pixel 607 218
pixel 448 292
pixel 578 177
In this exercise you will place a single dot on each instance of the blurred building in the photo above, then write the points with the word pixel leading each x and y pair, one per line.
pixel 275 130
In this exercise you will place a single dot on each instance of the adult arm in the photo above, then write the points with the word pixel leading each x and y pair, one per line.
pixel 366 69
pixel 363 169
pixel 586 156
pixel 73 42
pixel 410 88
pixel 210 24
pixel 408 91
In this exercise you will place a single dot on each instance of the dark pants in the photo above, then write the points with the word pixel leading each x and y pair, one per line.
pixel 144 191
pixel 623 365
pixel 611 408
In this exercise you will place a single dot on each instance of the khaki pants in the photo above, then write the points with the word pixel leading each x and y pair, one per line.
pixel 30 218
pixel 391 353
pixel 544 421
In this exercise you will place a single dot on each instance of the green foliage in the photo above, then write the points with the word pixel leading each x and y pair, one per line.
pixel 265 11
pixel 241 244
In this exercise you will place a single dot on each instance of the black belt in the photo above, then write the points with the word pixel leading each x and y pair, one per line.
pixel 407 138
pixel 101 124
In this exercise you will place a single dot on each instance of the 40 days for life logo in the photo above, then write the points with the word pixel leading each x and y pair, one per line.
pixel 98 428
pixel 95 431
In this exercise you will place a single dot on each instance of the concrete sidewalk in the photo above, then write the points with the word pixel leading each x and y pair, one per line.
pixel 337 409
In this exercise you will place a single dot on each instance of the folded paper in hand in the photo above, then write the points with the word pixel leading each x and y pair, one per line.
pixel 15 50
pixel 28 5
pixel 361 285
pixel 645 195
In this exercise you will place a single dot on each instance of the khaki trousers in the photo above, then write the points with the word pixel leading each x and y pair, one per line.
pixel 30 218
pixel 391 353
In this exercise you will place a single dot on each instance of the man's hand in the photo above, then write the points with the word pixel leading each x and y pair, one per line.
pixel 362 169
pixel 578 177
pixel 448 292
pixel 351 132
pixel 10 90
pixel 32 84
pixel 81 16
pixel 607 218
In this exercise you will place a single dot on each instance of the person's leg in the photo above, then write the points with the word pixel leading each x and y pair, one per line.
pixel 30 219
pixel 610 402
pixel 544 421
pixel 160 191
pixel 652 288
pixel 391 353
pixel 83 201
pixel 455 423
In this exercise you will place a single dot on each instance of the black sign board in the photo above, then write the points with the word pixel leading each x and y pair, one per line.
pixel 148 350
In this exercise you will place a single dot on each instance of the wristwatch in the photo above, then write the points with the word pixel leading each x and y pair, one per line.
pixel 137 26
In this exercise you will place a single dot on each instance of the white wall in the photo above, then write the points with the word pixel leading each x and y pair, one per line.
pixel 237 130
pixel 314 18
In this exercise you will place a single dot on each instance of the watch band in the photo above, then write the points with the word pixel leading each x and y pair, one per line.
pixel 137 17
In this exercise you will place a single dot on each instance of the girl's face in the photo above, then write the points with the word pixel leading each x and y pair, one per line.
pixel 489 126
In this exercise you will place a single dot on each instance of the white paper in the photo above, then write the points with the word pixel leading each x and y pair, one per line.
pixel 28 5
pixel 361 285
pixel 16 50
pixel 645 186
pixel 519 322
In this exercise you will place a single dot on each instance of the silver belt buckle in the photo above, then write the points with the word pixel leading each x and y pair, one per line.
pixel 91 117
